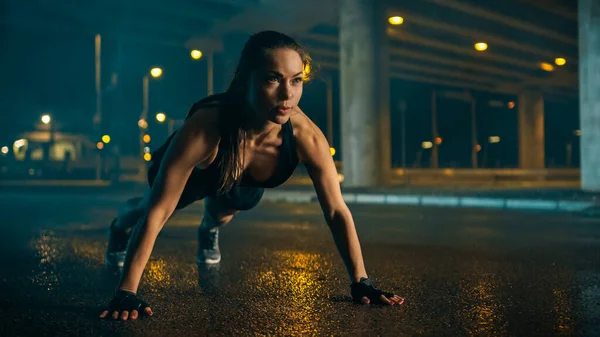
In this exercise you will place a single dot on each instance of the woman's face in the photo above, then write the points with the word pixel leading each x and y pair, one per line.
pixel 276 88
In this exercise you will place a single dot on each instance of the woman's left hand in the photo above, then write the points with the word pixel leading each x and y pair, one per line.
pixel 365 292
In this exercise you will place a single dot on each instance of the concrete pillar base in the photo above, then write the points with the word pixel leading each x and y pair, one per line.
pixel 531 131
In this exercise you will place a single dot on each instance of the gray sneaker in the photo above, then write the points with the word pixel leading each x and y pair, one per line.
pixel 208 246
pixel 117 247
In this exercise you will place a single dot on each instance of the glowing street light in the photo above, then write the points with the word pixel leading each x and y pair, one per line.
pixel 560 61
pixel 196 54
pixel 546 66
pixel 494 139
pixel 46 119
pixel 427 145
pixel 106 139
pixel 4 149
pixel 332 151
pixel 142 124
pixel 481 46
pixel 156 72
pixel 161 117
pixel 396 20
pixel 19 143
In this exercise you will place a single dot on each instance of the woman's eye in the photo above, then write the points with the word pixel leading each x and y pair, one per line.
pixel 297 80
pixel 273 79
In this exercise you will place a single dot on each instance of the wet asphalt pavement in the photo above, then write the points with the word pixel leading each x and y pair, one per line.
pixel 462 272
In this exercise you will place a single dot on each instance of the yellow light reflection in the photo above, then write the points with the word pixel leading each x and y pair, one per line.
pixel 89 251
pixel 562 307
pixel 157 275
pixel 295 275
pixel 484 316
pixel 306 74
pixel 46 249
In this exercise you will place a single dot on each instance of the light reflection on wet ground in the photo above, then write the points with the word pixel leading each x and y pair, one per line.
pixel 468 273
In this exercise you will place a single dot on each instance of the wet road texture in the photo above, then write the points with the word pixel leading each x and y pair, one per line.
pixel 463 272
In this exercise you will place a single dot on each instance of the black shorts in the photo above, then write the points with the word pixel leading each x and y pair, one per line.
pixel 239 198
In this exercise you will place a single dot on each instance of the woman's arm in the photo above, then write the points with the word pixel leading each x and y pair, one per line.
pixel 193 144
pixel 313 151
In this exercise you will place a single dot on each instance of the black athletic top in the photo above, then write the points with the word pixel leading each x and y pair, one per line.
pixel 207 180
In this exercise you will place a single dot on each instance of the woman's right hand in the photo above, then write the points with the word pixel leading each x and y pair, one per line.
pixel 125 305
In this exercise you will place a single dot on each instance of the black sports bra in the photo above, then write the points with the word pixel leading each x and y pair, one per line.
pixel 287 161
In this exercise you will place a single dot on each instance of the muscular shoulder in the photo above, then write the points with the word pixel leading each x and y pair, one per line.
pixel 308 135
pixel 203 123
pixel 199 135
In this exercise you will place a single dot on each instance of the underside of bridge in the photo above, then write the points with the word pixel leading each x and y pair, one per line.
pixel 534 51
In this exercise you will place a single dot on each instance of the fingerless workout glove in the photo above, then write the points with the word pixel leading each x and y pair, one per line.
pixel 126 300
pixel 365 287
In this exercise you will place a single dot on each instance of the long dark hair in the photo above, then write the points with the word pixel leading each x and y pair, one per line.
pixel 233 128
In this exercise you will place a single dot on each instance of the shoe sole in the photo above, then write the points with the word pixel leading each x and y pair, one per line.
pixel 208 261
pixel 119 264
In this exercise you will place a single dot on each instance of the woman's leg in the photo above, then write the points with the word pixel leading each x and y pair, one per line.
pixel 218 211
pixel 128 215
pixel 216 214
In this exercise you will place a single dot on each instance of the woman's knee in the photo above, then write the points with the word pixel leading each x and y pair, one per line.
pixel 221 218
pixel 218 213
pixel 129 214
pixel 131 205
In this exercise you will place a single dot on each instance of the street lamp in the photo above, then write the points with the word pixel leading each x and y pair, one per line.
pixel 196 54
pixel 46 119
pixel 545 66
pixel 161 117
pixel 155 72
pixel 481 46
pixel 396 20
